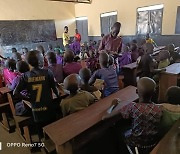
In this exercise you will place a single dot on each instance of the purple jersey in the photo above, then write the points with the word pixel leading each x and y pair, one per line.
pixel 71 68
pixel 110 78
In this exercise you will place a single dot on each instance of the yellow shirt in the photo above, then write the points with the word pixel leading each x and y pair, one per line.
pixel 150 41
pixel 76 103
pixel 163 63
pixel 66 39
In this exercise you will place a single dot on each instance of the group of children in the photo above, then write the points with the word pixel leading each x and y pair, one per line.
pixel 37 75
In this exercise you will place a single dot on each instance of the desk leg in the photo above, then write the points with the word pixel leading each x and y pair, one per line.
pixel 166 81
pixel 129 77
pixel 65 148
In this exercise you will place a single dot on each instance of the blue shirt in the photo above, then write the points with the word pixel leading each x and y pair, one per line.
pixel 110 78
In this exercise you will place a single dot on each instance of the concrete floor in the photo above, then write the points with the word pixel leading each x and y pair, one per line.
pixel 6 137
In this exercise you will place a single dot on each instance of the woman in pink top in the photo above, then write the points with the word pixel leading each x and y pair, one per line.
pixel 70 66
pixel 9 72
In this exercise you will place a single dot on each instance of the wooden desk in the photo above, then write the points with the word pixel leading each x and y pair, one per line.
pixel 170 144
pixel 167 79
pixel 63 130
pixel 130 74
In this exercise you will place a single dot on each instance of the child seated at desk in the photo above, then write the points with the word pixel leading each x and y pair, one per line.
pixel 59 55
pixel 9 71
pixel 20 108
pixel 145 117
pixel 174 56
pixel 77 100
pixel 57 69
pixel 107 74
pixel 171 109
pixel 39 84
pixel 163 59
pixel 70 66
pixel 134 52
pixel 147 65
pixel 92 61
pixel 126 57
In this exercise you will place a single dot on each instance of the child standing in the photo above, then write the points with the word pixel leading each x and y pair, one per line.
pixel 39 84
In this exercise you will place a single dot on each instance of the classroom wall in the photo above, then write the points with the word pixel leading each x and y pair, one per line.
pixel 126 14
pixel 62 13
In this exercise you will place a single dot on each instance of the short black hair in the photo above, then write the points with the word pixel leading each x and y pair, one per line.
pixel 26 49
pixel 65 27
pixel 85 74
pixel 173 95
pixel 51 57
pixel 14 50
pixel 69 56
pixel 22 66
pixel 32 58
pixel 16 56
pixel 104 59
pixel 41 49
pixel 10 64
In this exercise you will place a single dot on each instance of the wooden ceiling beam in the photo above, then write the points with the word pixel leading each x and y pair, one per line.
pixel 75 1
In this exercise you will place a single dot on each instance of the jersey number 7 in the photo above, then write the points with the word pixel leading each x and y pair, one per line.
pixel 38 87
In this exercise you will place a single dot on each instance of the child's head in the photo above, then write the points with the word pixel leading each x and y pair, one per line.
pixel 41 49
pixel 66 29
pixel 24 50
pixel 102 35
pixel 133 47
pixel 91 54
pixel 14 50
pixel 104 59
pixel 76 31
pixel 173 95
pixel 146 87
pixel 115 29
pixel 51 57
pixel 134 41
pixel 125 48
pixel 10 64
pixel 22 67
pixel 50 47
pixel 69 56
pixel 85 75
pixel 71 83
pixel 171 48
pixel 164 54
pixel 16 56
pixel 148 48
pixel 143 41
pixel 111 60
pixel 34 58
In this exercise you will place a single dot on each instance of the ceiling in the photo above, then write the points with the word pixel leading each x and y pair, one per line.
pixel 75 1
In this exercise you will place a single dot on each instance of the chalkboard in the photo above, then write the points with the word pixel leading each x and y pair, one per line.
pixel 21 31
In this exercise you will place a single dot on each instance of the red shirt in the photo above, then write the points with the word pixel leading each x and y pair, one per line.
pixel 109 43
pixel 78 36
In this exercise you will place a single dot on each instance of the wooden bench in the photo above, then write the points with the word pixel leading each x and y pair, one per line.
pixel 4 108
pixel 167 79
pixel 64 130
pixel 170 143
